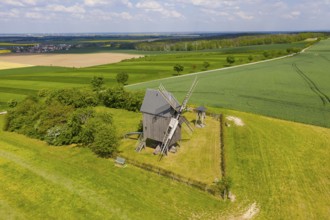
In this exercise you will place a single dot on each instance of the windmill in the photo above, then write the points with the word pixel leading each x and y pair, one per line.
pixel 162 118
pixel 174 122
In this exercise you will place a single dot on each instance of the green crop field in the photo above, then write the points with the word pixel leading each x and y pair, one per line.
pixel 25 81
pixel 294 88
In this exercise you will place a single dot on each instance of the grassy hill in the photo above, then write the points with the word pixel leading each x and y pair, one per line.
pixel 42 182
pixel 280 166
pixel 294 88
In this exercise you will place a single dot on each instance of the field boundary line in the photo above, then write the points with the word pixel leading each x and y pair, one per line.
pixel 220 69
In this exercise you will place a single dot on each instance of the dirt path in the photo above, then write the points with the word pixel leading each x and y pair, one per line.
pixel 67 60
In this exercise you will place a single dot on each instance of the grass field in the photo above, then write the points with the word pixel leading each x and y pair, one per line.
pixel 280 166
pixel 294 88
pixel 198 157
pixel 42 182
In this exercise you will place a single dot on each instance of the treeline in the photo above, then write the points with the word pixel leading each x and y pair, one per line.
pixel 67 116
pixel 194 45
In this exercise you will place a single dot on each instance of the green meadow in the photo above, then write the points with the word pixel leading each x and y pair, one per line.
pixel 280 166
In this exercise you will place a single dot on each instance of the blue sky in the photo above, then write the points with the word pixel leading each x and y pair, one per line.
pixel 58 16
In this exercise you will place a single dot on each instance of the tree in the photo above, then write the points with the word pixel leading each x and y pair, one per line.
pixel 230 59
pixel 178 68
pixel 250 58
pixel 122 78
pixel 97 83
pixel 105 141
pixel 206 65
pixel 224 186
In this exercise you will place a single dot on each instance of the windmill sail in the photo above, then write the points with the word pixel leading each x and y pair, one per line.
pixel 166 95
pixel 174 123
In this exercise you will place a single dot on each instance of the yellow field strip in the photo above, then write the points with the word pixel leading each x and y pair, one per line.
pixel 9 65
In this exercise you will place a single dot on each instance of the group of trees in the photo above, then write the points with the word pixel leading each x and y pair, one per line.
pixel 205 44
pixel 67 116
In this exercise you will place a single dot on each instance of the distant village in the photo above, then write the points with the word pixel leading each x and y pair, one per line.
pixel 41 48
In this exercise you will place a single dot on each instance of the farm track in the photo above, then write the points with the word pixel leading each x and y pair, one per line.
pixel 312 85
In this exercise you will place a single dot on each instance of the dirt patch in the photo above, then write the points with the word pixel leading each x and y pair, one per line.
pixel 237 121
pixel 67 60
pixel 251 212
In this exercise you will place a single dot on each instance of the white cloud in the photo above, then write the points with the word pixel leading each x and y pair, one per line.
pixel 128 3
pixel 153 6
pixel 244 16
pixel 95 2
pixel 19 3
pixel 292 15
pixel 33 15
pixel 13 13
pixel 76 9
pixel 109 16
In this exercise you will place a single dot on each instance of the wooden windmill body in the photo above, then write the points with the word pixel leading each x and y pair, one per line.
pixel 162 118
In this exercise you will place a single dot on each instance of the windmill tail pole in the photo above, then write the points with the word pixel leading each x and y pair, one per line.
pixel 186 99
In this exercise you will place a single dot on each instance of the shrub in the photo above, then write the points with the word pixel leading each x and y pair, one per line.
pixel 230 59
pixel 105 141
pixel 122 78
pixel 12 103
pixel 97 83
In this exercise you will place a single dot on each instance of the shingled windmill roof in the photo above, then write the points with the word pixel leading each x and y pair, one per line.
pixel 154 103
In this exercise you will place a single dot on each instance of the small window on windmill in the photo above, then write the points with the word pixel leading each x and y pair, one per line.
pixel 154 119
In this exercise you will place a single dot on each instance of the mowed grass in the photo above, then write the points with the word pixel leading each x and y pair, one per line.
pixel 294 88
pixel 198 156
pixel 42 182
pixel 282 166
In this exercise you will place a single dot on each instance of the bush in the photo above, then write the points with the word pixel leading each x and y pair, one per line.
pixel 121 99
pixel 230 59
pixel 122 78
pixel 105 141
pixel 97 83
pixel 78 98
pixel 12 103
pixel 223 186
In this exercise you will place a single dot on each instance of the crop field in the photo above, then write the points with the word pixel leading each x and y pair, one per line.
pixel 11 65
pixel 67 60
pixel 154 66
pixel 294 88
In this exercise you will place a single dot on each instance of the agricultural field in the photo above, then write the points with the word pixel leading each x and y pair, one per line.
pixel 12 65
pixel 155 65
pixel 67 60
pixel 294 88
